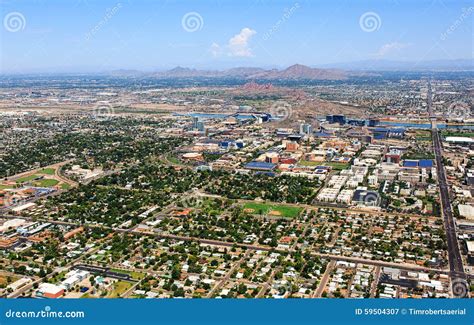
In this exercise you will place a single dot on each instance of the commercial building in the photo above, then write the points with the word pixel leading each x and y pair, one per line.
pixel 460 140
pixel 49 290
pixel 336 118
pixel 306 128
pixel 366 198
pixel 466 211
pixel 74 277
pixel 257 165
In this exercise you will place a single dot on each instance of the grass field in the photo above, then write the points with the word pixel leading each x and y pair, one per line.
pixel 2 186
pixel 27 178
pixel 423 135
pixel 310 163
pixel 271 209
pixel 46 183
pixel 173 159
pixel 119 288
pixel 334 165
pixel 133 274
pixel 7 279
pixel 337 166
pixel 47 171
pixel 424 139
pixel 446 133
pixel 65 186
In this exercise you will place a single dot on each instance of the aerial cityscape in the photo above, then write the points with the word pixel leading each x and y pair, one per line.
pixel 236 169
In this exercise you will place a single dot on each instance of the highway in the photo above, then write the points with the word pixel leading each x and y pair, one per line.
pixel 456 266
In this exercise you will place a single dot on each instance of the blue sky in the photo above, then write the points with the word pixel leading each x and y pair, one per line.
pixel 88 36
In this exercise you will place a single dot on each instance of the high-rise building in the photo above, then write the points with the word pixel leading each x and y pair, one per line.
pixel 198 125
pixel 306 128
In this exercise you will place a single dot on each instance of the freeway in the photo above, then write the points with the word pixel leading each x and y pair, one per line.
pixel 456 266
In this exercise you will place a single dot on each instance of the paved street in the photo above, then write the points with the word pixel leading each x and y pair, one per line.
pixel 456 266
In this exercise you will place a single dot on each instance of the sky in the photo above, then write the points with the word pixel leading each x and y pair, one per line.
pixel 102 35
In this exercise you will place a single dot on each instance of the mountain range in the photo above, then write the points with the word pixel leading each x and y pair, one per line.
pixel 296 71
pixel 339 71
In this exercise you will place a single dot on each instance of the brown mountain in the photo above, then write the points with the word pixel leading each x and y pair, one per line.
pixel 296 71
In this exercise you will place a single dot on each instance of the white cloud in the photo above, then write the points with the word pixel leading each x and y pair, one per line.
pixel 215 50
pixel 238 45
pixel 390 48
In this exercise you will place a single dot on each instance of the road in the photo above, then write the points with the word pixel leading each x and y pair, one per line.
pixel 324 280
pixel 375 283
pixel 456 266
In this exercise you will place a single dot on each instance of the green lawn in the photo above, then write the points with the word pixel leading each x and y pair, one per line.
pixel 424 139
pixel 119 288
pixel 46 183
pixel 337 165
pixel 173 159
pixel 423 135
pixel 27 178
pixel 334 165
pixel 137 296
pixel 2 187
pixel 47 171
pixel 65 186
pixel 272 209
pixel 133 274
pixel 447 133
pixel 310 163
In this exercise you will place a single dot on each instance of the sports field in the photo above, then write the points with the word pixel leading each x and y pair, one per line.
pixel 273 210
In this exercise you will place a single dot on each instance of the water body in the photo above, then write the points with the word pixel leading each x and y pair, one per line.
pixel 243 116
pixel 427 125
pixel 216 116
